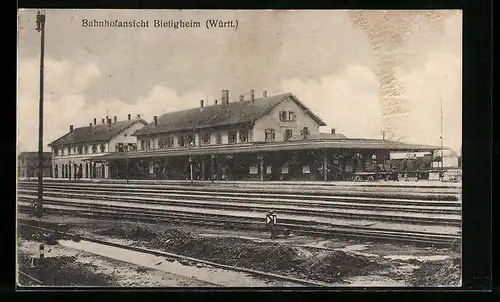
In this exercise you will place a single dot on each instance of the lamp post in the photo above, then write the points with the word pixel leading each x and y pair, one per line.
pixel 40 27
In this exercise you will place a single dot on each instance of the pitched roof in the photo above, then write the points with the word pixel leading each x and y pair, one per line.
pixel 220 115
pixel 101 132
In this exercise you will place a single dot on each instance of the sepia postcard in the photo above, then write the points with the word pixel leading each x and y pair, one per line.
pixel 227 148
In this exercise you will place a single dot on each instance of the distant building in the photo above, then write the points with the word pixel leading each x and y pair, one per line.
pixel 450 159
pixel 27 164
pixel 71 151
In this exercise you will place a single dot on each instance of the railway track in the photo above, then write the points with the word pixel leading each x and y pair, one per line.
pixel 289 199
pixel 260 274
pixel 244 210
pixel 423 185
pixel 306 193
pixel 314 229
pixel 312 204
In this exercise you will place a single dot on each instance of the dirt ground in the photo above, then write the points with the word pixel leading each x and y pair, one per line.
pixel 68 267
pixel 341 262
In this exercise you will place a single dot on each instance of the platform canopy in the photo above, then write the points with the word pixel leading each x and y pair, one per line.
pixel 339 144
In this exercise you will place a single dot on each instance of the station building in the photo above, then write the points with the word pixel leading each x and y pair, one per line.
pixel 266 138
pixel 27 164
pixel 72 151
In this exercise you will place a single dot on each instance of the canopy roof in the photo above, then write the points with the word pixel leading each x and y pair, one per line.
pixel 349 144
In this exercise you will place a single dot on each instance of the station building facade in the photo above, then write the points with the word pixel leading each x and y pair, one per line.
pixel 71 151
pixel 267 138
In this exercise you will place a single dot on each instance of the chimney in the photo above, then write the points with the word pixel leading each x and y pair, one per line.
pixel 115 118
pixel 155 118
pixel 70 128
pixel 95 121
pixel 138 116
pixel 129 116
pixel 201 103
pixel 225 97
pixel 241 97
pixel 264 94
pixel 333 130
pixel 252 95
pixel 103 120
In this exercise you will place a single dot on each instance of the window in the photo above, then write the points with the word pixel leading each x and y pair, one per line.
pixel 145 144
pixel 218 138
pixel 304 132
pixel 55 151
pixel 86 149
pixel 288 134
pixel 205 138
pixel 270 135
pixel 190 140
pixel 94 148
pixel 283 115
pixel 69 150
pixel 166 142
pixel 119 147
pixel 231 137
pixel 287 116
pixel 80 150
pixel 243 135
pixel 170 142
pixel 182 141
pixel 162 143
pixel 103 148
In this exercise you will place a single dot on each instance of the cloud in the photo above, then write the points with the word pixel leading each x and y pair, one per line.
pixel 439 80
pixel 346 101
pixel 349 101
pixel 65 101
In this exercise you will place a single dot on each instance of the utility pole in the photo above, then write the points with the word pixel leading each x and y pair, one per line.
pixel 441 137
pixel 40 27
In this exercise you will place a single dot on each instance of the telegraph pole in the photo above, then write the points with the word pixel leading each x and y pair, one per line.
pixel 441 137
pixel 40 27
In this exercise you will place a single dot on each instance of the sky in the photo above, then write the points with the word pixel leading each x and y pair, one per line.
pixel 334 65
